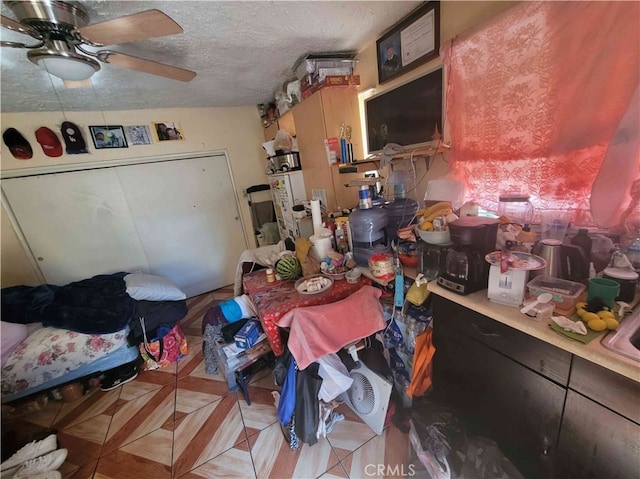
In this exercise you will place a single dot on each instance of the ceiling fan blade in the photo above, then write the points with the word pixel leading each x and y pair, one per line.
pixel 146 66
pixel 139 26
pixel 18 27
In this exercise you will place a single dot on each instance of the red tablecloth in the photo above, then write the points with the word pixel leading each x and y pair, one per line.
pixel 273 300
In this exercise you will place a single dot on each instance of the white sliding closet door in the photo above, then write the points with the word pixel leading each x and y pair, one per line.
pixel 175 218
pixel 77 224
pixel 187 220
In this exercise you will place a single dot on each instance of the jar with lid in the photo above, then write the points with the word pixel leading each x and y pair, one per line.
pixel 516 207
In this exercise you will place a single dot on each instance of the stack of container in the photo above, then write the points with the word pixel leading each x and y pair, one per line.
pixel 332 69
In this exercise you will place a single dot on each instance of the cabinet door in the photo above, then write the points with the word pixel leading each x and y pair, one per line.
pixel 286 123
pixel 500 399
pixel 270 131
pixel 340 106
pixel 309 119
pixel 595 442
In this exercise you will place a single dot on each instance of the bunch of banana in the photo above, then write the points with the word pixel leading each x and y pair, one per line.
pixel 427 215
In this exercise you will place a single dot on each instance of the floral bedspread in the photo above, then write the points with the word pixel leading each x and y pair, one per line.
pixel 48 353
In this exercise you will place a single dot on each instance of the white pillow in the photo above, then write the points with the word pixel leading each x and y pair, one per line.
pixel 150 287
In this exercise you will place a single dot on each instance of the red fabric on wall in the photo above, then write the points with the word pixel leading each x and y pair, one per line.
pixel 534 97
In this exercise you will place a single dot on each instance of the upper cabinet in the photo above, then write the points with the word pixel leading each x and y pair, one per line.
pixel 285 122
pixel 318 117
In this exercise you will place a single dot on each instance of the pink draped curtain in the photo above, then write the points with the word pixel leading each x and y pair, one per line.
pixel 534 98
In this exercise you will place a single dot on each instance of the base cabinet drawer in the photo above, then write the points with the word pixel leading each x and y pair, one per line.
pixel 610 389
pixel 537 355
pixel 596 443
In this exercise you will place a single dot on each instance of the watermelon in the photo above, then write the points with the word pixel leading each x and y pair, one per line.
pixel 288 267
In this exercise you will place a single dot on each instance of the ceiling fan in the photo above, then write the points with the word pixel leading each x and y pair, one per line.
pixel 62 32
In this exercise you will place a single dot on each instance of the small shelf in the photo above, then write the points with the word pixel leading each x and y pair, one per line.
pixel 418 153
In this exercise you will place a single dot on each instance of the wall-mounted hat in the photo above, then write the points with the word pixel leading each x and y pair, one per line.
pixel 17 144
pixel 73 138
pixel 49 142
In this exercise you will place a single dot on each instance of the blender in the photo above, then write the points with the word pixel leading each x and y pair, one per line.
pixel 564 261
pixel 466 270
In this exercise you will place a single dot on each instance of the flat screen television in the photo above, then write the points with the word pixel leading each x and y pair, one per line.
pixel 407 114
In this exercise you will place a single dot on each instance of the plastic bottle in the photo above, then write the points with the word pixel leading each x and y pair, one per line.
pixel 582 239
pixel 398 272
pixel 271 277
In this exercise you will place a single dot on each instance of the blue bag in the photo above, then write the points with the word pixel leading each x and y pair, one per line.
pixel 287 403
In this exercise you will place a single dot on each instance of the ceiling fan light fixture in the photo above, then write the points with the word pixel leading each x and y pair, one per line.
pixel 64 64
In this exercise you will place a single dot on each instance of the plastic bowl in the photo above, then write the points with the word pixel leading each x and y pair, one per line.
pixel 337 273
pixel 410 261
pixel 435 237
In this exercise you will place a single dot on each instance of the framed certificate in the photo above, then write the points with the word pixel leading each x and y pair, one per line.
pixel 410 43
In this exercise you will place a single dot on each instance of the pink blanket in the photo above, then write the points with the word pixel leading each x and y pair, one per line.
pixel 319 330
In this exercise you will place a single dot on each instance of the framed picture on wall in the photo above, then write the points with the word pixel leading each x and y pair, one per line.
pixel 413 41
pixel 108 136
pixel 138 135
pixel 168 130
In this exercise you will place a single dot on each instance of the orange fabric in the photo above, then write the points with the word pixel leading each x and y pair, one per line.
pixel 422 364
pixel 534 98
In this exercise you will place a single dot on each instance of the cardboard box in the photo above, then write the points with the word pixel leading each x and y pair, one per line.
pixel 248 334
pixel 340 80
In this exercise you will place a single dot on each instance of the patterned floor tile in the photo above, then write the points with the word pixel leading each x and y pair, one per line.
pixel 350 434
pixel 137 418
pixel 273 458
pixel 384 456
pixel 95 404
pixel 207 433
pixel 196 392
pixel 156 446
pixel 262 412
pixel 336 472
pixel 234 462
pixel 122 465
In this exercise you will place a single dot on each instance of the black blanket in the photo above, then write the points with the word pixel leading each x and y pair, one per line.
pixel 98 305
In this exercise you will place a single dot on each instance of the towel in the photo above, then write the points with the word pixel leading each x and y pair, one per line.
pixel 324 329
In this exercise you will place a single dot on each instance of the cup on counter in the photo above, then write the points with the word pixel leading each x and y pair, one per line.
pixel 606 290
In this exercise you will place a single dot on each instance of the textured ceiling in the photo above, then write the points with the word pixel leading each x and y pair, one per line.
pixel 242 52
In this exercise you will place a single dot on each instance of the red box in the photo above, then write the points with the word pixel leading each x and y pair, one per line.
pixel 340 80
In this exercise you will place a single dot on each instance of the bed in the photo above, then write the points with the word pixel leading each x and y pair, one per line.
pixel 57 334
pixel 49 357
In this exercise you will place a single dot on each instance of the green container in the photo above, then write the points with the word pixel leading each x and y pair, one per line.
pixel 604 289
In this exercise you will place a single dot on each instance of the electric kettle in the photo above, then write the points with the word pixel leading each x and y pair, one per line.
pixel 563 261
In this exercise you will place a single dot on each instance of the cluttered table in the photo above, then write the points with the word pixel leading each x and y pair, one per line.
pixel 594 351
pixel 274 299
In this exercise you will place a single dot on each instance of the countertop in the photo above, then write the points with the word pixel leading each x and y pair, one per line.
pixel 594 351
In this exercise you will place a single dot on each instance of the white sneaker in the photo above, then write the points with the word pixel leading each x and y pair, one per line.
pixel 30 451
pixel 50 462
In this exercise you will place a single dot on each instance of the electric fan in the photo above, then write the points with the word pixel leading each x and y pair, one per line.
pixel 368 397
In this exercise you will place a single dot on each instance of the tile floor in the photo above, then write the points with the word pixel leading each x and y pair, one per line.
pixel 183 423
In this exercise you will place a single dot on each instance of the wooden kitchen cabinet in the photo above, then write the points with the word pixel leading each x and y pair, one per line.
pixel 553 414
pixel 316 118
pixel 285 122
pixel 499 397
pixel 600 435
pixel 596 442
